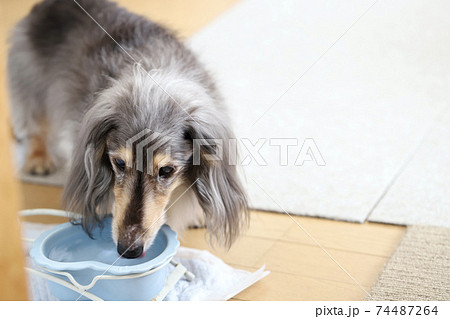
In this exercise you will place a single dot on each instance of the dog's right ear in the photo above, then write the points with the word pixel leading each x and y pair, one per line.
pixel 88 190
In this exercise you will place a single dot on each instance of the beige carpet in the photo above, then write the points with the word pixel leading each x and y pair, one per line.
pixel 419 268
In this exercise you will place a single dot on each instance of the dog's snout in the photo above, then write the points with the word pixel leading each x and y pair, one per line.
pixel 129 252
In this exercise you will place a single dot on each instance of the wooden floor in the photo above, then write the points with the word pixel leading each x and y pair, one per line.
pixel 300 269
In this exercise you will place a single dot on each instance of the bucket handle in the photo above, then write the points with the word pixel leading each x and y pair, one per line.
pixel 172 279
pixel 63 283
pixel 103 276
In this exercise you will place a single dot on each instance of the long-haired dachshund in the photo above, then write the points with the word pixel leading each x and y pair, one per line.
pixel 87 80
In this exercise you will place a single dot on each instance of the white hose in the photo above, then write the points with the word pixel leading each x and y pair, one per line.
pixel 42 212
pixel 45 211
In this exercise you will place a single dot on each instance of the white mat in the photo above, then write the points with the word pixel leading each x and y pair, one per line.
pixel 214 279
pixel 421 195
pixel 367 102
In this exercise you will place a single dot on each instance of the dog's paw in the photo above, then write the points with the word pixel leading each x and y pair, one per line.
pixel 39 164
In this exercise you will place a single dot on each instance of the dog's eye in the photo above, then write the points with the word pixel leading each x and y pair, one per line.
pixel 120 164
pixel 166 171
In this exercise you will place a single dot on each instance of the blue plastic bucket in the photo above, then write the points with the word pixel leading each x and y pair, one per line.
pixel 67 251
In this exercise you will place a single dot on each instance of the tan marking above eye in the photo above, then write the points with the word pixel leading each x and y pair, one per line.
pixel 160 160
pixel 122 153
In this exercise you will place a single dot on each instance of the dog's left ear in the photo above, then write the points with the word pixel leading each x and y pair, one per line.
pixel 217 184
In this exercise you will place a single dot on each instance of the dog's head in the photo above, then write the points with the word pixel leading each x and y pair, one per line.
pixel 137 144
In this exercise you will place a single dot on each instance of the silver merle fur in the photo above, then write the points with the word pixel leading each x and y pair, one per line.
pixel 65 71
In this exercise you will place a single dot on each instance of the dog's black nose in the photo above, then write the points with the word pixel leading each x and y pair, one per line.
pixel 132 252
